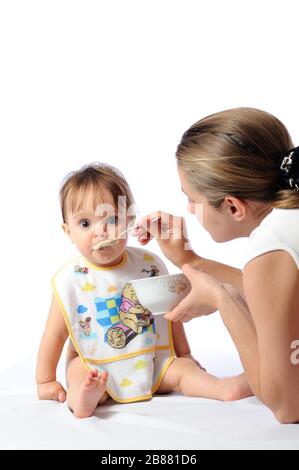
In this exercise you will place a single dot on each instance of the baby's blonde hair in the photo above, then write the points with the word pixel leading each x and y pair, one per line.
pixel 238 152
pixel 93 177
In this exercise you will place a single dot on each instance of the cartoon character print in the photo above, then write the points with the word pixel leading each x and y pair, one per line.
pixel 85 325
pixel 134 318
pixel 154 271
pixel 177 286
pixel 131 312
pixel 118 336
pixel 78 269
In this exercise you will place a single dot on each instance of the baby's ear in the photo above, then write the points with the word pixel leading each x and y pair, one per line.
pixel 65 228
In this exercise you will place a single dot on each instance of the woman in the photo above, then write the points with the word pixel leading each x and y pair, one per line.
pixel 241 168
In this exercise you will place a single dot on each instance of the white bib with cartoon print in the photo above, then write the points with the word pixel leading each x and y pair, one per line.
pixel 109 327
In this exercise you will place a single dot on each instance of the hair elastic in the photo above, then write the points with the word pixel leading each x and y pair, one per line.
pixel 289 168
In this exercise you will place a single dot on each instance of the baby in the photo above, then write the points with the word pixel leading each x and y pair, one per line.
pixel 117 348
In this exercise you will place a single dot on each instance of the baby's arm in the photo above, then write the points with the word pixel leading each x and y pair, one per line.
pixel 51 345
pixel 180 342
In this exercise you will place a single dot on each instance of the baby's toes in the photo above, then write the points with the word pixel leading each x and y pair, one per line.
pixel 103 377
pixel 95 373
pixel 89 378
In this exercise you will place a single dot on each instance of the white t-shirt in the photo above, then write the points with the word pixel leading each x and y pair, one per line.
pixel 279 230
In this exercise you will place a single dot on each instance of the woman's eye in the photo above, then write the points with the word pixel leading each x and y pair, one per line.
pixel 84 223
pixel 113 220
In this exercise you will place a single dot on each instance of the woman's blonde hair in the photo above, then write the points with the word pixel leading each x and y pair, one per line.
pixel 238 152
pixel 95 176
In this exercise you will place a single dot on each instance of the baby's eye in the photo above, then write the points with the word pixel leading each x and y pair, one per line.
pixel 85 223
pixel 113 220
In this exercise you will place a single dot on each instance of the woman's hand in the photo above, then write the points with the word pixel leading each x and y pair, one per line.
pixel 203 299
pixel 171 234
pixel 51 391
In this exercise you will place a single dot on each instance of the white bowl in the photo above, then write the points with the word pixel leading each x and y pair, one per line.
pixel 160 294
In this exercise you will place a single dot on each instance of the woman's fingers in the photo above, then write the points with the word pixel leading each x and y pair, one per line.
pixel 205 287
pixel 201 299
pixel 161 225
pixel 147 228
pixel 142 235
pixel 180 311
pixel 171 234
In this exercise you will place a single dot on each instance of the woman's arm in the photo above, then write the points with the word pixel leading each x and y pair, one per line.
pixel 271 284
pixel 264 331
pixel 222 272
pixel 51 345
pixel 264 328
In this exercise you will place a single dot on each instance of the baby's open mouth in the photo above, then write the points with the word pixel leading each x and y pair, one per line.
pixel 105 244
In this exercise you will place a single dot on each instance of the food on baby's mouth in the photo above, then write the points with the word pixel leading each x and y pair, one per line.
pixel 104 244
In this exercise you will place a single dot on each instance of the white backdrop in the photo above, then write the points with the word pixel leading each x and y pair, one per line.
pixel 119 82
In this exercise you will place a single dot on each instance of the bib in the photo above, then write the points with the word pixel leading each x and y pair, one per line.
pixel 108 326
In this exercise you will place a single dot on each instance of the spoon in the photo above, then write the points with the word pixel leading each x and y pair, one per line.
pixel 113 241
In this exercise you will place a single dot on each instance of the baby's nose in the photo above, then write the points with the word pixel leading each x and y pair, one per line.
pixel 100 230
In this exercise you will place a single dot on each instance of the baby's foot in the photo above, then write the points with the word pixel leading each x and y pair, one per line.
pixel 90 393
pixel 236 388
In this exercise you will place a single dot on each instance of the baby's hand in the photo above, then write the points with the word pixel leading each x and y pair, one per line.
pixel 51 391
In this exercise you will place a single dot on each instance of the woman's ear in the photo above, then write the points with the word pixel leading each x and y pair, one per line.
pixel 236 208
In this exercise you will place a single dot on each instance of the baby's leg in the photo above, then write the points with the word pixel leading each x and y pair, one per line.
pixel 184 376
pixel 85 389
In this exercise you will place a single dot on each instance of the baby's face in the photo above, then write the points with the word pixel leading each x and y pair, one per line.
pixel 88 226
